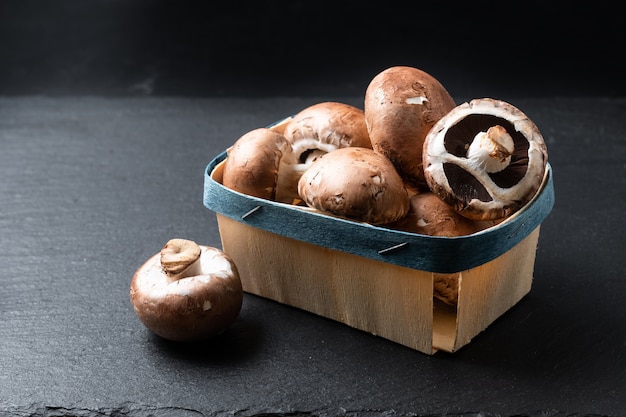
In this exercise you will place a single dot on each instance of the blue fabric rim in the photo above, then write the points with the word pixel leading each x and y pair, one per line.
pixel 426 253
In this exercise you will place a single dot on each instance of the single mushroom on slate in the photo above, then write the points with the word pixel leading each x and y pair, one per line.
pixel 401 104
pixel 485 158
pixel 324 127
pixel 187 292
pixel 357 184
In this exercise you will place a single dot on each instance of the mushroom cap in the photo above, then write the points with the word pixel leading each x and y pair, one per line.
pixel 357 184
pixel 190 308
pixel 469 187
pixel 327 126
pixel 253 161
pixel 430 215
pixel 401 105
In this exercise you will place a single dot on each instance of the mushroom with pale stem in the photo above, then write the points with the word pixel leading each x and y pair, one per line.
pixel 357 184
pixel 401 105
pixel 485 158
pixel 187 292
pixel 324 127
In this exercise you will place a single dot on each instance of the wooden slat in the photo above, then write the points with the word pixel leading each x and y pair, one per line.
pixel 390 301
pixel 489 290
pixel 383 299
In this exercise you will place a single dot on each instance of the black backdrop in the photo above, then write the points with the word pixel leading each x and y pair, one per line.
pixel 270 47
pixel 91 186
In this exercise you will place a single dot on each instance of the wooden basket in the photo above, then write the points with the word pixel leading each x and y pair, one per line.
pixel 376 279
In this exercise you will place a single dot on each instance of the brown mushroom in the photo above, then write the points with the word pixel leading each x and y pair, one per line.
pixel 430 215
pixel 324 127
pixel 401 105
pixel 357 184
pixel 187 291
pixel 485 158
pixel 261 163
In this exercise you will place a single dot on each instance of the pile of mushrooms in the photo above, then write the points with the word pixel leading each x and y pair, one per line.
pixel 268 164
pixel 410 160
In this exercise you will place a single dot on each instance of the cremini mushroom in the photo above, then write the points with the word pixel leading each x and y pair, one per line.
pixel 430 215
pixel 187 292
pixel 357 184
pixel 261 163
pixel 401 104
pixel 324 127
pixel 485 158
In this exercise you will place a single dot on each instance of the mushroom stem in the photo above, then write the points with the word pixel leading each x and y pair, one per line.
pixel 194 269
pixel 287 182
pixel 289 173
pixel 180 258
pixel 491 150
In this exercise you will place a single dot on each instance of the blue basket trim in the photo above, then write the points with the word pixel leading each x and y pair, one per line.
pixel 427 253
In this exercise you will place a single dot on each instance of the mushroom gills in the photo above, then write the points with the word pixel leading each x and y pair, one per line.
pixel 466 159
pixel 458 141
pixel 464 185
pixel 311 155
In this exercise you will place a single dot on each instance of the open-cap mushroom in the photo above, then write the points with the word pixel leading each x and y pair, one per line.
pixel 357 184
pixel 187 292
pixel 402 103
pixel 485 158
pixel 324 127
pixel 261 163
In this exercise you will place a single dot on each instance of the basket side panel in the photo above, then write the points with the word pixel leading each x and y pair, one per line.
pixel 386 300
pixel 488 291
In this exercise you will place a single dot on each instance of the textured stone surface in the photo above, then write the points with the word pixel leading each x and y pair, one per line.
pixel 91 187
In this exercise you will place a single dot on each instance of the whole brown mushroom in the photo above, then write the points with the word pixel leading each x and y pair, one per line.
pixel 261 163
pixel 324 127
pixel 187 292
pixel 357 184
pixel 402 103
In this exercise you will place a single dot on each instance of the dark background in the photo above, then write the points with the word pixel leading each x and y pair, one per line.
pixel 110 111
pixel 294 48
